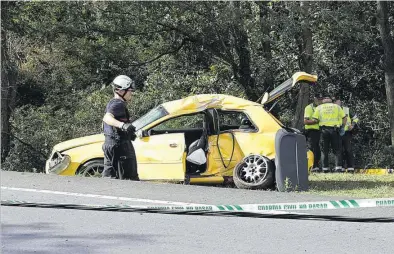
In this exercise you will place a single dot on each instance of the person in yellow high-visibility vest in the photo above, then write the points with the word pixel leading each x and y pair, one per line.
pixel 331 118
pixel 312 131
pixel 351 124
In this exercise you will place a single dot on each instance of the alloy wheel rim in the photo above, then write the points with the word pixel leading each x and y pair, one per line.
pixel 94 171
pixel 253 169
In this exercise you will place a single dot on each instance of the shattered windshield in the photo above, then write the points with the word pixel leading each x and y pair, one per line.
pixel 150 117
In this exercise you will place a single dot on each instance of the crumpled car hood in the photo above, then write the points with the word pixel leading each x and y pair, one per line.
pixel 69 144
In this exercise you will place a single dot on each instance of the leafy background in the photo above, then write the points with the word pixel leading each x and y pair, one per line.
pixel 64 55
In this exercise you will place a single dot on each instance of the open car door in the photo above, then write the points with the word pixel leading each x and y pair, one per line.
pixel 287 85
pixel 161 157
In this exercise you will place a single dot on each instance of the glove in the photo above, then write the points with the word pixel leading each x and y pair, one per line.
pixel 128 127
pixel 132 136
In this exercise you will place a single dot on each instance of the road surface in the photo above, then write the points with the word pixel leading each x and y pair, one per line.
pixel 48 230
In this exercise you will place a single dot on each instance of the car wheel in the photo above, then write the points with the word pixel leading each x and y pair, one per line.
pixel 254 172
pixel 92 168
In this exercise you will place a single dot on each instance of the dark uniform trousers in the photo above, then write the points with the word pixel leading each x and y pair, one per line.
pixel 348 157
pixel 331 138
pixel 119 159
pixel 313 141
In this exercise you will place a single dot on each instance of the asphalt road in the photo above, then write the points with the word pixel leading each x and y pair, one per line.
pixel 47 230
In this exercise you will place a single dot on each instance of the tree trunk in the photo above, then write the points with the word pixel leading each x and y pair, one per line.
pixel 388 46
pixel 242 69
pixel 265 24
pixel 8 93
pixel 305 63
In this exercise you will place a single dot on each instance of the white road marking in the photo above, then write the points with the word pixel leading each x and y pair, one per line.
pixel 99 196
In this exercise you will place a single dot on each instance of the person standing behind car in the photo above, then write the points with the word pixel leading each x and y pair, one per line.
pixel 330 117
pixel 312 131
pixel 119 155
pixel 351 124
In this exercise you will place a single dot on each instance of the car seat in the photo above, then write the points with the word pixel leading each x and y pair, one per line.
pixel 197 150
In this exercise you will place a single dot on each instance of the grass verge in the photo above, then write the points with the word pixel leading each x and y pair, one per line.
pixel 349 185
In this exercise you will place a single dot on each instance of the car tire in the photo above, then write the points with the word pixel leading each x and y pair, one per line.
pixel 92 168
pixel 254 172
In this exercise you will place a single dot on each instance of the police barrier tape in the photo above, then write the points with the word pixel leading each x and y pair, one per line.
pixel 173 208
pixel 294 206
pixel 249 214
pixel 320 205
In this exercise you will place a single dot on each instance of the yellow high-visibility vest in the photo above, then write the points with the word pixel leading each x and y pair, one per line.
pixel 329 114
pixel 350 120
pixel 308 114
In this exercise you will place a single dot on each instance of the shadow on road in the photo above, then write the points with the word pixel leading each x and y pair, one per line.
pixel 47 238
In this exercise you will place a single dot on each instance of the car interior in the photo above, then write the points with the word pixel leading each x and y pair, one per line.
pixel 196 129
pixel 234 120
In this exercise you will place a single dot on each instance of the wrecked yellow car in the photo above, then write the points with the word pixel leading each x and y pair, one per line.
pixel 207 138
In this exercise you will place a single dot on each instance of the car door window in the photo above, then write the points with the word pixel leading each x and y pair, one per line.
pixel 150 117
pixel 180 123
pixel 234 120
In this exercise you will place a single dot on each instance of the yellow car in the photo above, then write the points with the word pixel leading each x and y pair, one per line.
pixel 207 138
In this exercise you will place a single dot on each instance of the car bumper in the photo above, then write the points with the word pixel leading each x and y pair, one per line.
pixel 52 167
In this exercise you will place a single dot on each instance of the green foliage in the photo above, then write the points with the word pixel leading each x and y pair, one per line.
pixel 68 52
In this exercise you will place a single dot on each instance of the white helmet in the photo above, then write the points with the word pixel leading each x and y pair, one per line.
pixel 123 82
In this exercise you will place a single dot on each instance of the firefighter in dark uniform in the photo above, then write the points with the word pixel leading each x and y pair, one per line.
pixel 312 131
pixel 119 155
pixel 331 119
